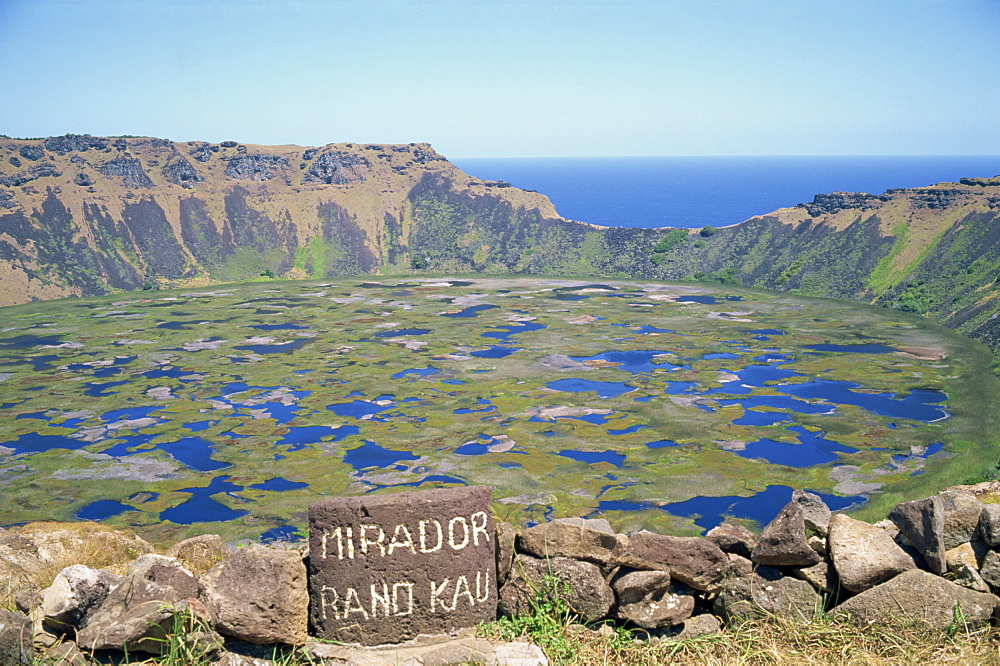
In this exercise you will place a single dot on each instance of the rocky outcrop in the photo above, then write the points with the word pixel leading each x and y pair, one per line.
pixel 254 167
pixel 128 170
pixel 337 168
pixel 581 585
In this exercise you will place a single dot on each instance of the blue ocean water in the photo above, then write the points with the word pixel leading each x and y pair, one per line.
pixel 716 191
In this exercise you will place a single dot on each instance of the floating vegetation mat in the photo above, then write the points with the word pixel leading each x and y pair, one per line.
pixel 657 405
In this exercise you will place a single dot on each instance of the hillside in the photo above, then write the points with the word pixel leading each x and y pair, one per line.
pixel 82 215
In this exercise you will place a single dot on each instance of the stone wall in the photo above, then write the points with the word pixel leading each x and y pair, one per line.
pixel 935 561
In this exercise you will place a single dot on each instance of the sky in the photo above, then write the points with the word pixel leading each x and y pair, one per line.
pixel 513 78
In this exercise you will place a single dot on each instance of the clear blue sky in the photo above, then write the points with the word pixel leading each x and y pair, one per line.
pixel 506 78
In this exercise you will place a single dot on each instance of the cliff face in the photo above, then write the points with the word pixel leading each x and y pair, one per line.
pixel 82 215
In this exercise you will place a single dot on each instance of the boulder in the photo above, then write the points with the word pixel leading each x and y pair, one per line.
pixel 200 553
pixel 140 612
pixel 864 555
pixel 647 599
pixel 962 511
pixel 815 512
pixel 784 543
pixel 766 592
pixel 822 576
pixel 732 538
pixel 20 564
pixel 698 625
pixel 692 560
pixel 506 537
pixel 588 540
pixel 579 584
pixel 922 597
pixel 259 595
pixel 989 525
pixel 15 639
pixel 921 525
pixel 75 594
pixel 989 570
pixel 738 566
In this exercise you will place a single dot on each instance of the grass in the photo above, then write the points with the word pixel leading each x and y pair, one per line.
pixel 770 640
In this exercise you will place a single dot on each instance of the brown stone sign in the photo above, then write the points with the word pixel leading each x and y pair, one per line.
pixel 386 568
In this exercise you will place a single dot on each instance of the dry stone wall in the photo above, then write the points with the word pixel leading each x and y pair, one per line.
pixel 935 561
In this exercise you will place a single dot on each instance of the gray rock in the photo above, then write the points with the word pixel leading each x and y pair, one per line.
pixel 962 511
pixel 65 654
pixel 71 142
pixel 921 525
pixel 989 525
pixel 140 612
pixel 33 153
pixel 128 169
pixel 647 599
pixel 259 595
pixel 506 537
pixel 74 595
pixel 822 576
pixel 815 512
pixel 783 542
pixel 15 639
pixel 181 172
pixel 579 584
pixel 922 597
pixel 254 167
pixel 692 560
pixel 705 624
pixel 864 555
pixel 738 566
pixel 969 577
pixel 732 538
pixel 570 537
pixel 766 592
pixel 989 570
pixel 337 168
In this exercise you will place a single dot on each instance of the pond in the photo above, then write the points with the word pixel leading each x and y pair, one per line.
pixel 656 405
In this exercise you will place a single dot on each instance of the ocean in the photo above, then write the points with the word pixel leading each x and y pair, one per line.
pixel 716 191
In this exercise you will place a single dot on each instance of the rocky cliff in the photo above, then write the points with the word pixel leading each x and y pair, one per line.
pixel 83 215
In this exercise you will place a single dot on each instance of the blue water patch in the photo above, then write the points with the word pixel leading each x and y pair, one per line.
pixel 107 372
pixel 280 348
pixel 496 351
pixel 297 438
pixel 812 449
pixel 96 390
pixel 279 485
pixel 662 444
pixel 779 402
pixel 176 325
pixel 773 358
pixel 754 418
pixel 603 389
pixel 471 311
pixel 198 426
pixel 421 372
pixel 403 331
pixel 284 534
pixel 201 508
pixel 868 348
pixel 509 465
pixel 706 300
pixel 29 341
pixel 513 329
pixel 919 405
pixel 32 442
pixel 357 408
pixel 652 329
pixel 766 331
pixel 627 431
pixel 632 361
pixel 762 507
pixel 40 416
pixel 102 509
pixel 719 355
pixel 167 371
pixel 370 455
pixel 591 457
pixel 194 452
